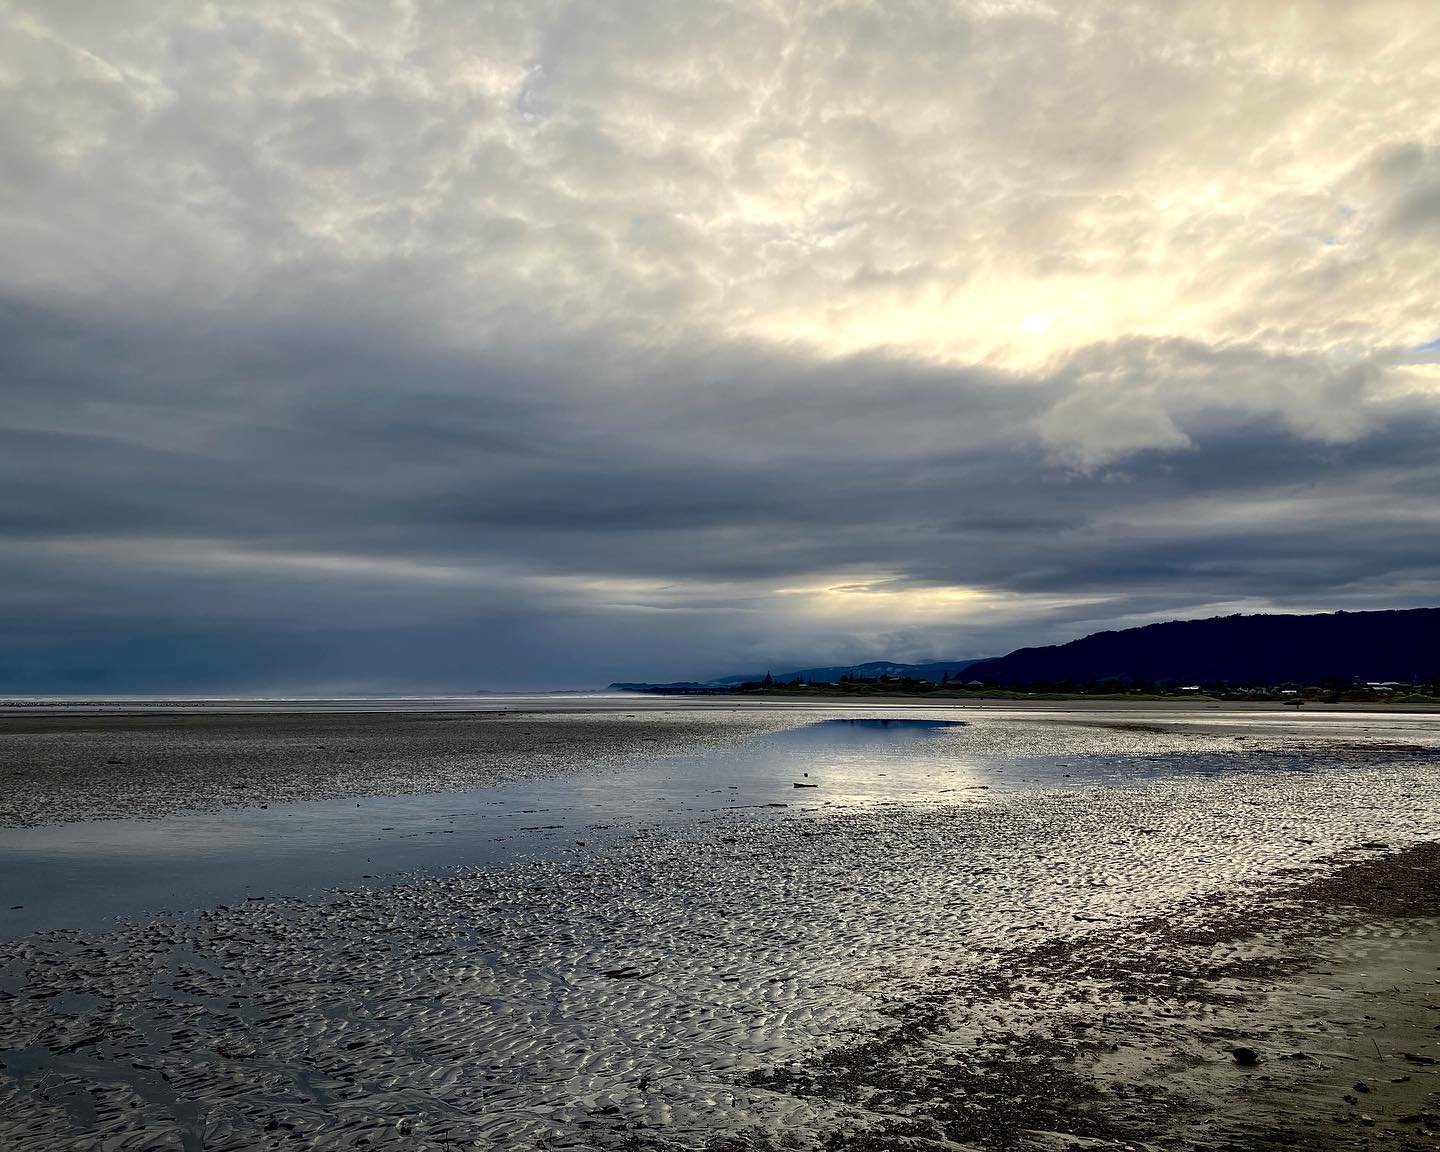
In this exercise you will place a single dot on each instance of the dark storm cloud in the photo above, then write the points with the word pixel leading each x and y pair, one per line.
pixel 423 519
pixel 552 344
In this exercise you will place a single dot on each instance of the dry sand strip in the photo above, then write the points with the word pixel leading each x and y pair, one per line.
pixel 75 767
pixel 1309 1020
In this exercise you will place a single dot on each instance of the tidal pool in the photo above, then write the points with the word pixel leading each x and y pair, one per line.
pixel 84 874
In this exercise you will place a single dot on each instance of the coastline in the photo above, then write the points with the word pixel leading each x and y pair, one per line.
pixel 1054 702
pixel 81 764
pixel 15 708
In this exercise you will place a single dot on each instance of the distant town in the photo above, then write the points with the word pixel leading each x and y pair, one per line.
pixel 1328 691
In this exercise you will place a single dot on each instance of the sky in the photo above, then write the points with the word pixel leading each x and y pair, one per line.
pixel 414 346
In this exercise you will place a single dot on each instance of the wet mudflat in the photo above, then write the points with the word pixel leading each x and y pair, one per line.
pixel 95 763
pixel 1005 933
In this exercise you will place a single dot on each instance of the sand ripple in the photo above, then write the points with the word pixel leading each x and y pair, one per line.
pixel 588 1003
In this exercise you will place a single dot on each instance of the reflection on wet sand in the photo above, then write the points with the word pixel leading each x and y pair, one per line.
pixel 685 982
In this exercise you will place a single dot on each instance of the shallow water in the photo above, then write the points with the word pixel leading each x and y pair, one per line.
pixel 81 875
pixel 583 995
pixel 86 875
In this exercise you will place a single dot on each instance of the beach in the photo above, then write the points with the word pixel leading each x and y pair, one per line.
pixel 615 925
pixel 126 762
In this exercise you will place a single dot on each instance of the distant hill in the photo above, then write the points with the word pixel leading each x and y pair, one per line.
pixel 872 670
pixel 677 687
pixel 1242 650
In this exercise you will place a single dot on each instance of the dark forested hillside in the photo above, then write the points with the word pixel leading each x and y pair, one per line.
pixel 1392 645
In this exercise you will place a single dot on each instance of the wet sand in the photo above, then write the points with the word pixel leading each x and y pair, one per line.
pixel 74 765
pixel 98 762
pixel 1304 1018
pixel 1068 963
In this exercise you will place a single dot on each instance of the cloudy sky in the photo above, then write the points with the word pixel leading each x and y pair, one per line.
pixel 430 344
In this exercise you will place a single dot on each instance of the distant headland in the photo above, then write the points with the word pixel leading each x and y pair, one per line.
pixel 1389 655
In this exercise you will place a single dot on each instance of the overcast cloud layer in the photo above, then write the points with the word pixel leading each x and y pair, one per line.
pixel 421 345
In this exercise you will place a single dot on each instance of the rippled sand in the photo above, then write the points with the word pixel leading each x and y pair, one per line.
pixel 690 988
